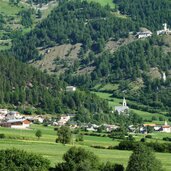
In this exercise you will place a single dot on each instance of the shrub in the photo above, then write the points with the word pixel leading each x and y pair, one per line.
pixel 2 136
pixel 19 160
pixel 148 136
pixel 143 140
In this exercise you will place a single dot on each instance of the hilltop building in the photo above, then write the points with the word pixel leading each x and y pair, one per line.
pixel 164 31
pixel 143 33
pixel 71 88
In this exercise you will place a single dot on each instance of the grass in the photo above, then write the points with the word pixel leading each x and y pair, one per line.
pixel 113 101
pixel 104 2
pixel 54 152
pixel 7 9
pixel 47 147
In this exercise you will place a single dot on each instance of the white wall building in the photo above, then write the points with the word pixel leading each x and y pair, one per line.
pixel 166 128
pixel 63 120
pixel 19 123
pixel 13 115
pixel 164 31
pixel 145 34
pixel 70 88
pixel 3 111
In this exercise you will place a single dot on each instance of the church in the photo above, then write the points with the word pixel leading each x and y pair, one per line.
pixel 122 109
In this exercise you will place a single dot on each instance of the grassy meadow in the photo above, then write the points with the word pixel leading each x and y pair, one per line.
pixel 104 2
pixel 46 146
pixel 113 101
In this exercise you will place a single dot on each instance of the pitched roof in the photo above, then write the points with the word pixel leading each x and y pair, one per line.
pixel 121 108
pixel 15 120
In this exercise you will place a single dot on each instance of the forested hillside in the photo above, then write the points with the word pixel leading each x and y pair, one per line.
pixel 150 13
pixel 141 62
pixel 26 87
pixel 73 22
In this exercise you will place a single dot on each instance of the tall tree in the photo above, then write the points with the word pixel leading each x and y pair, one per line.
pixel 143 159
pixel 64 135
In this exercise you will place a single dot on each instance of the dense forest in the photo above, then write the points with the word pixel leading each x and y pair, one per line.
pixel 73 22
pixel 149 13
pixel 25 88
pixel 128 64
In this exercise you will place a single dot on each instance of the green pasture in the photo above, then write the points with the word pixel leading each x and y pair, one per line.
pixel 104 2
pixel 54 152
pixel 46 146
pixel 7 9
pixel 113 101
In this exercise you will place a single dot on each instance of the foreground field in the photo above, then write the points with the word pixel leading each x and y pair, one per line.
pixel 46 146
pixel 54 152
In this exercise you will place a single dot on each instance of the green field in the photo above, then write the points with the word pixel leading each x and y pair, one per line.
pixel 46 146
pixel 7 9
pixel 113 101
pixel 104 2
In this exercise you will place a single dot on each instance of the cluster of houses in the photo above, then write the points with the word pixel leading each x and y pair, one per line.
pixel 159 128
pixel 14 119
pixel 144 33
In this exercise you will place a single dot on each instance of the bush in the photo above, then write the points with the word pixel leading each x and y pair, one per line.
pixel 2 136
pixel 19 160
pixel 127 145
pixel 98 146
pixel 148 136
pixel 143 140
pixel 166 139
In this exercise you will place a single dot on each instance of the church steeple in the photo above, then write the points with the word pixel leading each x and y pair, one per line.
pixel 124 102
pixel 165 123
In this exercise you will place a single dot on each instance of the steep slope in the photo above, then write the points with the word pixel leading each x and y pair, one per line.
pixel 137 67
pixel 73 22
pixel 26 87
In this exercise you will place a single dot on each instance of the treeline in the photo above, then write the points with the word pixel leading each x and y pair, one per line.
pixel 151 13
pixel 73 22
pixel 157 147
pixel 2 21
pixel 24 86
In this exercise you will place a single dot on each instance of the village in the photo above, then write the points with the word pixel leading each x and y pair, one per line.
pixel 13 119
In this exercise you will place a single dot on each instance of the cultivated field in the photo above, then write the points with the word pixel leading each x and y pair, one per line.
pixel 46 146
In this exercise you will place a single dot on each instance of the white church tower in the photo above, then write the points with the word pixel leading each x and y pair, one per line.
pixel 164 76
pixel 124 102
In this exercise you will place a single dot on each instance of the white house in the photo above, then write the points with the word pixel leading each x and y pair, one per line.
pixel 166 128
pixel 109 128
pixel 3 111
pixel 18 123
pixel 145 34
pixel 13 115
pixel 122 109
pixel 63 120
pixel 71 88
pixel 38 118
pixel 164 31
pixel 2 116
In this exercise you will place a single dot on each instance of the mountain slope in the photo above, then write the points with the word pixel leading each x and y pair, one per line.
pixel 73 22
pixel 149 13
pixel 26 87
